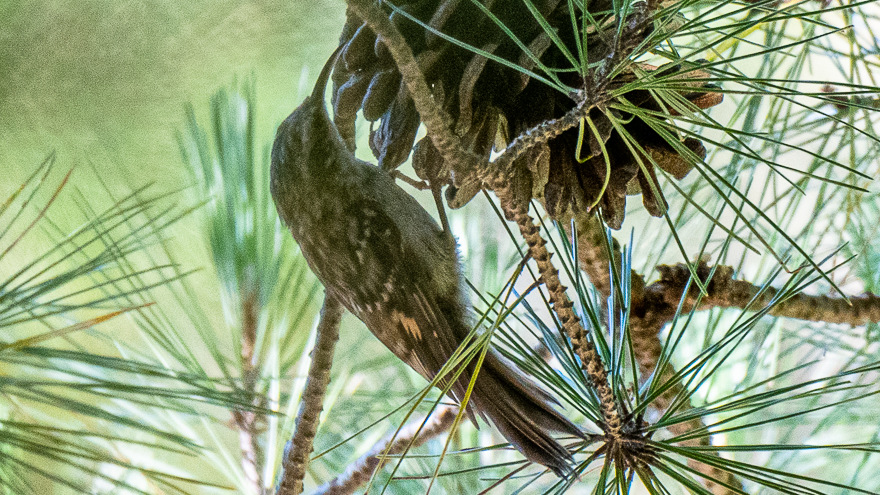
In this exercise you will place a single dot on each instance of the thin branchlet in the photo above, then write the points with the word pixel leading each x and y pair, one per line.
pixel 562 305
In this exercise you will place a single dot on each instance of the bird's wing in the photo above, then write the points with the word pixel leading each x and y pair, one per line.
pixel 423 337
pixel 418 327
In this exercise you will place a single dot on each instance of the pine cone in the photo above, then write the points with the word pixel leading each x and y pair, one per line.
pixel 490 103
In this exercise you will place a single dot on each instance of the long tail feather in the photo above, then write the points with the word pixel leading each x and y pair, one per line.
pixel 523 413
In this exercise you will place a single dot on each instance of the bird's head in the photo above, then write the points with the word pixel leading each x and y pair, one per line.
pixel 304 142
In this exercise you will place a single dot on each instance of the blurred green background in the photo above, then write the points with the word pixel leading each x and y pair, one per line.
pixel 104 82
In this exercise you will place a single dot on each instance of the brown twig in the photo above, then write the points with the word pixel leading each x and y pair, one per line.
pixel 246 421
pixel 562 305
pixel 296 456
pixel 539 134
pixel 495 174
pixel 412 435
pixel 663 296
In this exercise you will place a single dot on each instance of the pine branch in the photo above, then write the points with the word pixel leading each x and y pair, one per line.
pixel 412 435
pixel 656 305
pixel 296 456
pixel 594 259
pixel 652 307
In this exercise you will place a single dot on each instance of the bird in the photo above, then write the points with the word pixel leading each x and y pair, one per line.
pixel 384 258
